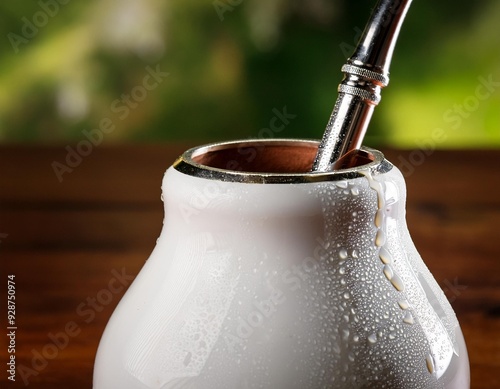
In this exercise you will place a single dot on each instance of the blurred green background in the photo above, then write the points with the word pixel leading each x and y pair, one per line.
pixel 232 64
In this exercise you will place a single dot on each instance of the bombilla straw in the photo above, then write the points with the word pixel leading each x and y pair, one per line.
pixel 366 73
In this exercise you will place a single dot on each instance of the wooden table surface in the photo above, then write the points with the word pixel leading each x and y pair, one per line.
pixel 64 242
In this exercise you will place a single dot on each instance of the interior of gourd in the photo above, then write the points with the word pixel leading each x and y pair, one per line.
pixel 261 157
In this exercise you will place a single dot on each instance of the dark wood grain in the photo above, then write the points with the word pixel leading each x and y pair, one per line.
pixel 66 241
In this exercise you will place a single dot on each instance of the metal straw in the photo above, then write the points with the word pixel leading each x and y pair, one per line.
pixel 366 73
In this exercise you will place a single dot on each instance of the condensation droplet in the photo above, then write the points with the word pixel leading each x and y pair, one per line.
pixel 403 304
pixel 355 191
pixel 380 238
pixel 388 272
pixel 430 364
pixel 372 338
pixel 379 218
pixel 408 319
pixel 342 270
pixel 397 282
pixel 343 254
pixel 342 184
pixel 384 255
pixel 355 253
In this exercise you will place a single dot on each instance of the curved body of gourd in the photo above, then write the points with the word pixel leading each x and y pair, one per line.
pixel 284 285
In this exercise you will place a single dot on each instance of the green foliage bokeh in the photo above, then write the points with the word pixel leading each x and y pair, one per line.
pixel 233 63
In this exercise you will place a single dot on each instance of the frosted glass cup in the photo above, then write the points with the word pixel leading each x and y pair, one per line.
pixel 268 276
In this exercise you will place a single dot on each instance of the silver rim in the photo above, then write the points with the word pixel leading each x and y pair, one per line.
pixel 186 165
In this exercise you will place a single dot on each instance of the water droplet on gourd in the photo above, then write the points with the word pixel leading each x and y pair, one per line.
pixel 408 319
pixel 388 272
pixel 397 282
pixel 430 364
pixel 403 304
pixel 380 238
pixel 379 218
pixel 384 255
